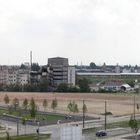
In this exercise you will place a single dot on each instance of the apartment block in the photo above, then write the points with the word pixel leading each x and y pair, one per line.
pixel 3 75
pixel 13 75
pixel 61 72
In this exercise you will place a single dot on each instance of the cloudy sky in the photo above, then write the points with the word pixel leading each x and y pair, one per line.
pixel 81 30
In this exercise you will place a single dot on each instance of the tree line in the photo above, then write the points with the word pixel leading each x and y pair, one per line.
pixel 43 86
pixel 32 107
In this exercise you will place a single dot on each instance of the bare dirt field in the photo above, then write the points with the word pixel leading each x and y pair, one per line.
pixel 117 104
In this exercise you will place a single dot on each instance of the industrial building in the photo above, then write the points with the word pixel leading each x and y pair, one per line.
pixel 61 71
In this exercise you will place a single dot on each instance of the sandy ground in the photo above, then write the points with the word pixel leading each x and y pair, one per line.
pixel 117 104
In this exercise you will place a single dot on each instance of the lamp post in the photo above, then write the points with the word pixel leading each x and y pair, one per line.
pixel 16 105
pixel 38 123
pixel 17 126
pixel 83 114
pixel 134 107
pixel 105 115
pixel 7 133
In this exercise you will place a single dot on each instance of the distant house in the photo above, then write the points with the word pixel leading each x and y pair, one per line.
pixel 94 87
pixel 111 85
pixel 128 88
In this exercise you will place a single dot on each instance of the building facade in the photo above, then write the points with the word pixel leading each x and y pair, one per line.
pixel 61 71
pixel 10 75
pixel 3 75
pixel 71 75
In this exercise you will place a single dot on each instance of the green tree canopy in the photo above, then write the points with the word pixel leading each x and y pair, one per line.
pixel 25 104
pixel 54 104
pixel 84 85
pixel 33 108
pixel 6 99
pixel 134 125
pixel 45 104
pixel 63 87
pixel 43 85
pixel 73 107
pixel 131 83
pixel 16 103
pixel 92 65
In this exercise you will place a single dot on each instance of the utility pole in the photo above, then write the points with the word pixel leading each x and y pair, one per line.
pixel 105 115
pixel 83 114
pixel 38 123
pixel 134 106
pixel 17 126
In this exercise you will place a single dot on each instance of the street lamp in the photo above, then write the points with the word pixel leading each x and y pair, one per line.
pixel 83 114
pixel 17 126
pixel 7 133
pixel 105 114
pixel 134 107
pixel 17 104
pixel 38 123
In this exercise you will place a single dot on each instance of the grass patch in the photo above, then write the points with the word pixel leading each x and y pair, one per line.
pixel 117 124
pixel 29 137
pixel 109 126
pixel 39 117
pixel 89 130
pixel 120 124
pixel 50 118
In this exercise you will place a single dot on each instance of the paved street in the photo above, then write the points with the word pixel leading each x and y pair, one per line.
pixel 55 129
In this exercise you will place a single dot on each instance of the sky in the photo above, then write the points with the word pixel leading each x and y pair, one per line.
pixel 82 30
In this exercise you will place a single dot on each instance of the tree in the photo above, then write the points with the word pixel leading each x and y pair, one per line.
pixel 16 103
pixel 25 104
pixel 83 84
pixel 35 67
pixel 6 99
pixel 23 66
pixel 54 104
pixel 137 105
pixel 43 86
pixel 33 108
pixel 92 65
pixel 70 106
pixel 74 89
pixel 134 126
pixel 73 107
pixel 75 110
pixel 62 87
pixel 45 104
pixel 104 66
pixel 14 87
pixel 131 83
pixel 7 135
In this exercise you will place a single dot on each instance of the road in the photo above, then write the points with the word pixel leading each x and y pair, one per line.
pixel 55 129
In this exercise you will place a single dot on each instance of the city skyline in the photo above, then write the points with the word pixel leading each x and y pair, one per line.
pixel 84 31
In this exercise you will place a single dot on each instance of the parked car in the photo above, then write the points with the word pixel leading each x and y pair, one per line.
pixel 101 133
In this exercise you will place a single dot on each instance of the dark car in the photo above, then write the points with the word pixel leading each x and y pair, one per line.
pixel 101 133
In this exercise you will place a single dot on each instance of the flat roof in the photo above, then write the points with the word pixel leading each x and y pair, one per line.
pixel 106 74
